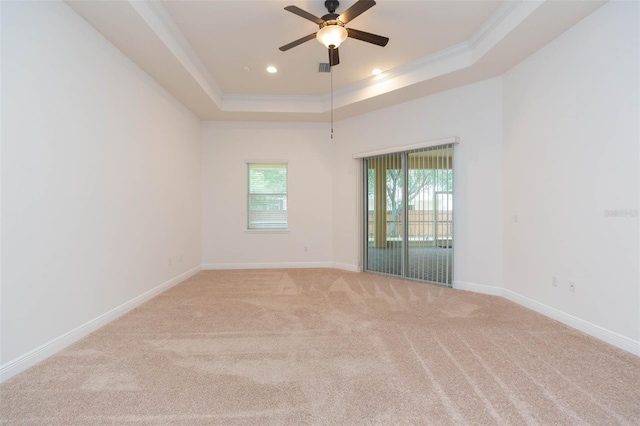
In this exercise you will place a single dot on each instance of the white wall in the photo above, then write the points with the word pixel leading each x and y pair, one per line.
pixel 307 149
pixel 102 185
pixel 570 154
pixel 100 178
pixel 474 114
pixel 323 185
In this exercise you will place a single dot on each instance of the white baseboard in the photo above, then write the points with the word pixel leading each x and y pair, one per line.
pixel 608 336
pixel 44 351
pixel 346 267
pixel 586 327
pixel 478 288
pixel 282 265
pixel 285 265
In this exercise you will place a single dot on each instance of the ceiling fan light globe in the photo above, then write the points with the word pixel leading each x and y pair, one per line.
pixel 331 36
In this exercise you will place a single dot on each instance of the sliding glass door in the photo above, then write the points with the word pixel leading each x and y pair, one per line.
pixel 409 220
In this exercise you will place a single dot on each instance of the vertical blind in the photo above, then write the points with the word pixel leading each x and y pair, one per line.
pixel 267 196
pixel 409 214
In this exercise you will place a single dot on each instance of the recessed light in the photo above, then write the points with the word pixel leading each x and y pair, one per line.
pixel 376 71
pixel 272 69
pixel 247 68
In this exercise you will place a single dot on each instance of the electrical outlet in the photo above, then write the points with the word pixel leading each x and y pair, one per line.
pixel 306 248
pixel 180 258
pixel 554 281
pixel 169 261
pixel 572 286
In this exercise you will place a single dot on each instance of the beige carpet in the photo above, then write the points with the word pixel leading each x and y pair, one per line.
pixel 295 347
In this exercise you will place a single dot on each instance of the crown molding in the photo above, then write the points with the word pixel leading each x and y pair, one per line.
pixel 508 16
pixel 505 19
pixel 160 22
pixel 425 68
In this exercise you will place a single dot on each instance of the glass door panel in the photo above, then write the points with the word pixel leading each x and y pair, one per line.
pixel 430 218
pixel 385 214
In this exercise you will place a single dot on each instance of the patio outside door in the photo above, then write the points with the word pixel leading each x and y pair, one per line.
pixel 409 220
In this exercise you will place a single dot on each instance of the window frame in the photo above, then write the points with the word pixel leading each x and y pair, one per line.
pixel 269 230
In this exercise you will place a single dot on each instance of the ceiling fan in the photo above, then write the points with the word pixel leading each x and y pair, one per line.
pixel 332 31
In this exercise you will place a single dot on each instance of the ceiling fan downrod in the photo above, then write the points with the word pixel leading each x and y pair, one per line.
pixel 332 5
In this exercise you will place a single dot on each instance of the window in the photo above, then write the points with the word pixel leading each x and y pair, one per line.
pixel 267 196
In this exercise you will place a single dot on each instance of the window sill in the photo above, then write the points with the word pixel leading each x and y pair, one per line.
pixel 266 231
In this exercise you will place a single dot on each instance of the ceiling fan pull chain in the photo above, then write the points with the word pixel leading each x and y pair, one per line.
pixel 331 70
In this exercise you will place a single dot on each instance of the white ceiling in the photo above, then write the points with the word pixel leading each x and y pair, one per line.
pixel 198 50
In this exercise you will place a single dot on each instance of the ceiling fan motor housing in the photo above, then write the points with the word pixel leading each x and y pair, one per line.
pixel 330 19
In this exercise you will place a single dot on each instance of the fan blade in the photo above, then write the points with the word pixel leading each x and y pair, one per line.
pixel 297 42
pixel 304 14
pixel 368 37
pixel 354 11
pixel 334 57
